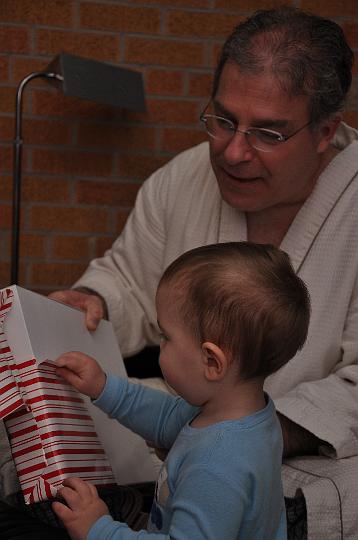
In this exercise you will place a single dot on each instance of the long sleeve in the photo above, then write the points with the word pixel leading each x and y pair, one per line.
pixel 154 415
pixel 328 406
pixel 198 514
pixel 200 465
pixel 318 388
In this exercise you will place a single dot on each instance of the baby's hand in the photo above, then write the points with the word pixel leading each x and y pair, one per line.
pixel 83 372
pixel 83 510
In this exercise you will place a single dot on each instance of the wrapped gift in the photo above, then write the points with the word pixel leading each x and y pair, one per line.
pixel 52 428
pixel 51 434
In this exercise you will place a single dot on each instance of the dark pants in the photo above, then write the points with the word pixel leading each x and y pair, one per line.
pixel 129 504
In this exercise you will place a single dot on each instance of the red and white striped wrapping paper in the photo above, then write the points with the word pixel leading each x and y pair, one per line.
pixel 51 433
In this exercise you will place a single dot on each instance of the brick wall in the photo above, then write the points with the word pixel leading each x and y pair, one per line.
pixel 83 163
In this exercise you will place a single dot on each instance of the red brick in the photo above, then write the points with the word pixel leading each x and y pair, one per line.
pixel 32 245
pixel 215 54
pixel 7 127
pixel 139 166
pixel 181 3
pixel 69 219
pixel 55 12
pixel 4 274
pixel 7 99
pixel 121 221
pixel 122 137
pixel 56 274
pixel 5 187
pixel 4 69
pixel 164 52
pixel 37 189
pixel 78 163
pixel 199 24
pixel 45 190
pixel 200 84
pixel 170 111
pixel 23 65
pixel 331 8
pixel 120 18
pixel 14 39
pixel 108 193
pixel 247 5
pixel 53 103
pixel 102 244
pixel 5 216
pixel 352 101
pixel 94 45
pixel 5 159
pixel 351 32
pixel 164 82
pixel 176 140
pixel 351 118
pixel 71 247
pixel 46 132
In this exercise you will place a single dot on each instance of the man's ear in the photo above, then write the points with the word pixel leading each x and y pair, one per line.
pixel 327 131
pixel 215 361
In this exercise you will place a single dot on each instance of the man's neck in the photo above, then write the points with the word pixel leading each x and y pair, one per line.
pixel 271 226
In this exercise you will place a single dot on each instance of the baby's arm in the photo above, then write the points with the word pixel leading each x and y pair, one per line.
pixel 82 372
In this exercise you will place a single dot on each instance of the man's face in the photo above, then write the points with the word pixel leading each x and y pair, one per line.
pixel 251 180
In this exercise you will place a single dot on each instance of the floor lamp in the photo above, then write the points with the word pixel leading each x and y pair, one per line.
pixel 77 77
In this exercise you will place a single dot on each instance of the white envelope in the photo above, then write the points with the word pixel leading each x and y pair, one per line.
pixel 49 328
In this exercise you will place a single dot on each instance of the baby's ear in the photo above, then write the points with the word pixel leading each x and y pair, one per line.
pixel 215 361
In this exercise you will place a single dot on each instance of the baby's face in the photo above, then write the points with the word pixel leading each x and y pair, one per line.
pixel 181 357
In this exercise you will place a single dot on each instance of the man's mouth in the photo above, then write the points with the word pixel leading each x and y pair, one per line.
pixel 240 178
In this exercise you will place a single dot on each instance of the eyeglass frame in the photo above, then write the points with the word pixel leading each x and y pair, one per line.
pixel 281 138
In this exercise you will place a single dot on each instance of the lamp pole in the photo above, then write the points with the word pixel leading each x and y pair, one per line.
pixel 80 78
pixel 16 188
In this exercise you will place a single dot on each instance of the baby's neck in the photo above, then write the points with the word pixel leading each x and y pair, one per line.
pixel 233 403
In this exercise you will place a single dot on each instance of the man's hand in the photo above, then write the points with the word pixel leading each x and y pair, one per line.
pixel 83 510
pixel 297 441
pixel 90 302
pixel 83 372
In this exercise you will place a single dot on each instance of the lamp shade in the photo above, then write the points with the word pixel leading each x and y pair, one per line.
pixel 98 81
pixel 76 77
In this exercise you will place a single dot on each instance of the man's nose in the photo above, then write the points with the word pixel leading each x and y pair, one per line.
pixel 238 149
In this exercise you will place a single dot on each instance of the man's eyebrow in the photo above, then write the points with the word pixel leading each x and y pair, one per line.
pixel 271 123
pixel 262 122
pixel 222 109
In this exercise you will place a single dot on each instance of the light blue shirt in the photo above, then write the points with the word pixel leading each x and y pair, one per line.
pixel 221 482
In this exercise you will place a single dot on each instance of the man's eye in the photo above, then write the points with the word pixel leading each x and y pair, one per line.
pixel 266 136
pixel 223 123
pixel 162 337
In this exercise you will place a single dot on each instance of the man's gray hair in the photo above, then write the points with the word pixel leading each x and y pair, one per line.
pixel 308 55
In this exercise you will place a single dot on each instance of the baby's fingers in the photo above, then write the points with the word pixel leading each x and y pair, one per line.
pixel 62 511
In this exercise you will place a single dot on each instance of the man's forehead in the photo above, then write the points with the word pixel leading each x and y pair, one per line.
pixel 260 95
pixel 264 118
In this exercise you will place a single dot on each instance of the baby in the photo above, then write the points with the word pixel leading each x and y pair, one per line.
pixel 229 315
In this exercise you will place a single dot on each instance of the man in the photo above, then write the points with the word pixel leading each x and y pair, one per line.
pixel 279 168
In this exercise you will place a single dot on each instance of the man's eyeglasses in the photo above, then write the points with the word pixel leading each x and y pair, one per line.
pixel 265 140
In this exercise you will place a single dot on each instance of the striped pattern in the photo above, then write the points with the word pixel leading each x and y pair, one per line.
pixel 10 397
pixel 51 433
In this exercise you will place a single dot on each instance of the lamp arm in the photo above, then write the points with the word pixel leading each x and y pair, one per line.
pixel 17 159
